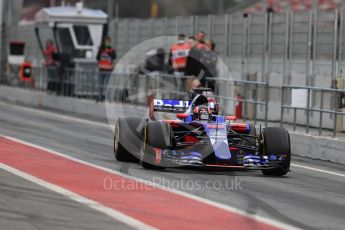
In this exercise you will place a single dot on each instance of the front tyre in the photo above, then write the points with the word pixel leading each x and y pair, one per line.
pixel 127 139
pixel 276 141
pixel 157 137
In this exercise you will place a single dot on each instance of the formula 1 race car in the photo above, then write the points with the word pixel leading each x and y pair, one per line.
pixel 200 138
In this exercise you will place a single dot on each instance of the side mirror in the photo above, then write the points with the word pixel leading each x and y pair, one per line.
pixel 182 115
pixel 231 118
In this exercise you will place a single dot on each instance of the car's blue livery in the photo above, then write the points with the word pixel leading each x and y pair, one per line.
pixel 219 141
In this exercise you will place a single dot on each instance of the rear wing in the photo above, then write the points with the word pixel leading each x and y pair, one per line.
pixel 170 106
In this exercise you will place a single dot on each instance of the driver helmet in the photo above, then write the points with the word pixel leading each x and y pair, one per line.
pixel 202 113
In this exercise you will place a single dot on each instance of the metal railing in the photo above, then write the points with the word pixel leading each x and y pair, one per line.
pixel 257 105
pixel 135 87
pixel 246 92
pixel 315 103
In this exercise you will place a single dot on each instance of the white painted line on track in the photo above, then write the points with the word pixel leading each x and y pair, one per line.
pixel 66 117
pixel 181 193
pixel 80 199
pixel 318 170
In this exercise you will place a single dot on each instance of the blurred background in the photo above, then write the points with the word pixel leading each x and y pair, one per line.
pixel 284 58
pixel 140 9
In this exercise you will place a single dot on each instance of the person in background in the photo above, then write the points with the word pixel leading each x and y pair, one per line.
pixel 191 37
pixel 200 36
pixel 209 62
pixel 210 44
pixel 51 64
pixel 191 85
pixel 178 57
pixel 106 57
pixel 191 41
pixel 194 66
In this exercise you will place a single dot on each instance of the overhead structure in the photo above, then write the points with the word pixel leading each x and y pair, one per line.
pixel 77 31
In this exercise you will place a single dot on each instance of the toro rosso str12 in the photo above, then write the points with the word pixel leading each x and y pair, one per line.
pixel 199 137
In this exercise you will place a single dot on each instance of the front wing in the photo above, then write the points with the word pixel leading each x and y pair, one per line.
pixel 174 158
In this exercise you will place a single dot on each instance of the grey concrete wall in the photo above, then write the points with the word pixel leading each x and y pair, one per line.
pixel 67 104
pixel 323 148
pixel 330 149
pixel 43 100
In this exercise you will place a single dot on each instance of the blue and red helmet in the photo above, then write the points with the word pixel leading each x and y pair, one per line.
pixel 202 113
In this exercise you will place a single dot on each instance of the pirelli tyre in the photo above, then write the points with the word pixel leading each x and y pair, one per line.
pixel 276 141
pixel 157 136
pixel 127 138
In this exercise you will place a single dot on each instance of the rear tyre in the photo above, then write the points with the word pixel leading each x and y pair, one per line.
pixel 276 141
pixel 157 137
pixel 127 139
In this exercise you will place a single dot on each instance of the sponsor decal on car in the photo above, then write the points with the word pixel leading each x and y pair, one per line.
pixel 170 105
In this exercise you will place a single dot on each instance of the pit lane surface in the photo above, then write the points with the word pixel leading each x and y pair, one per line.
pixel 306 198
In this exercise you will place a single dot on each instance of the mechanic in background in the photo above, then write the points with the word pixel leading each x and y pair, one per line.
pixel 200 36
pixel 191 85
pixel 106 58
pixel 194 67
pixel 209 63
pixel 191 41
pixel 178 57
pixel 51 64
